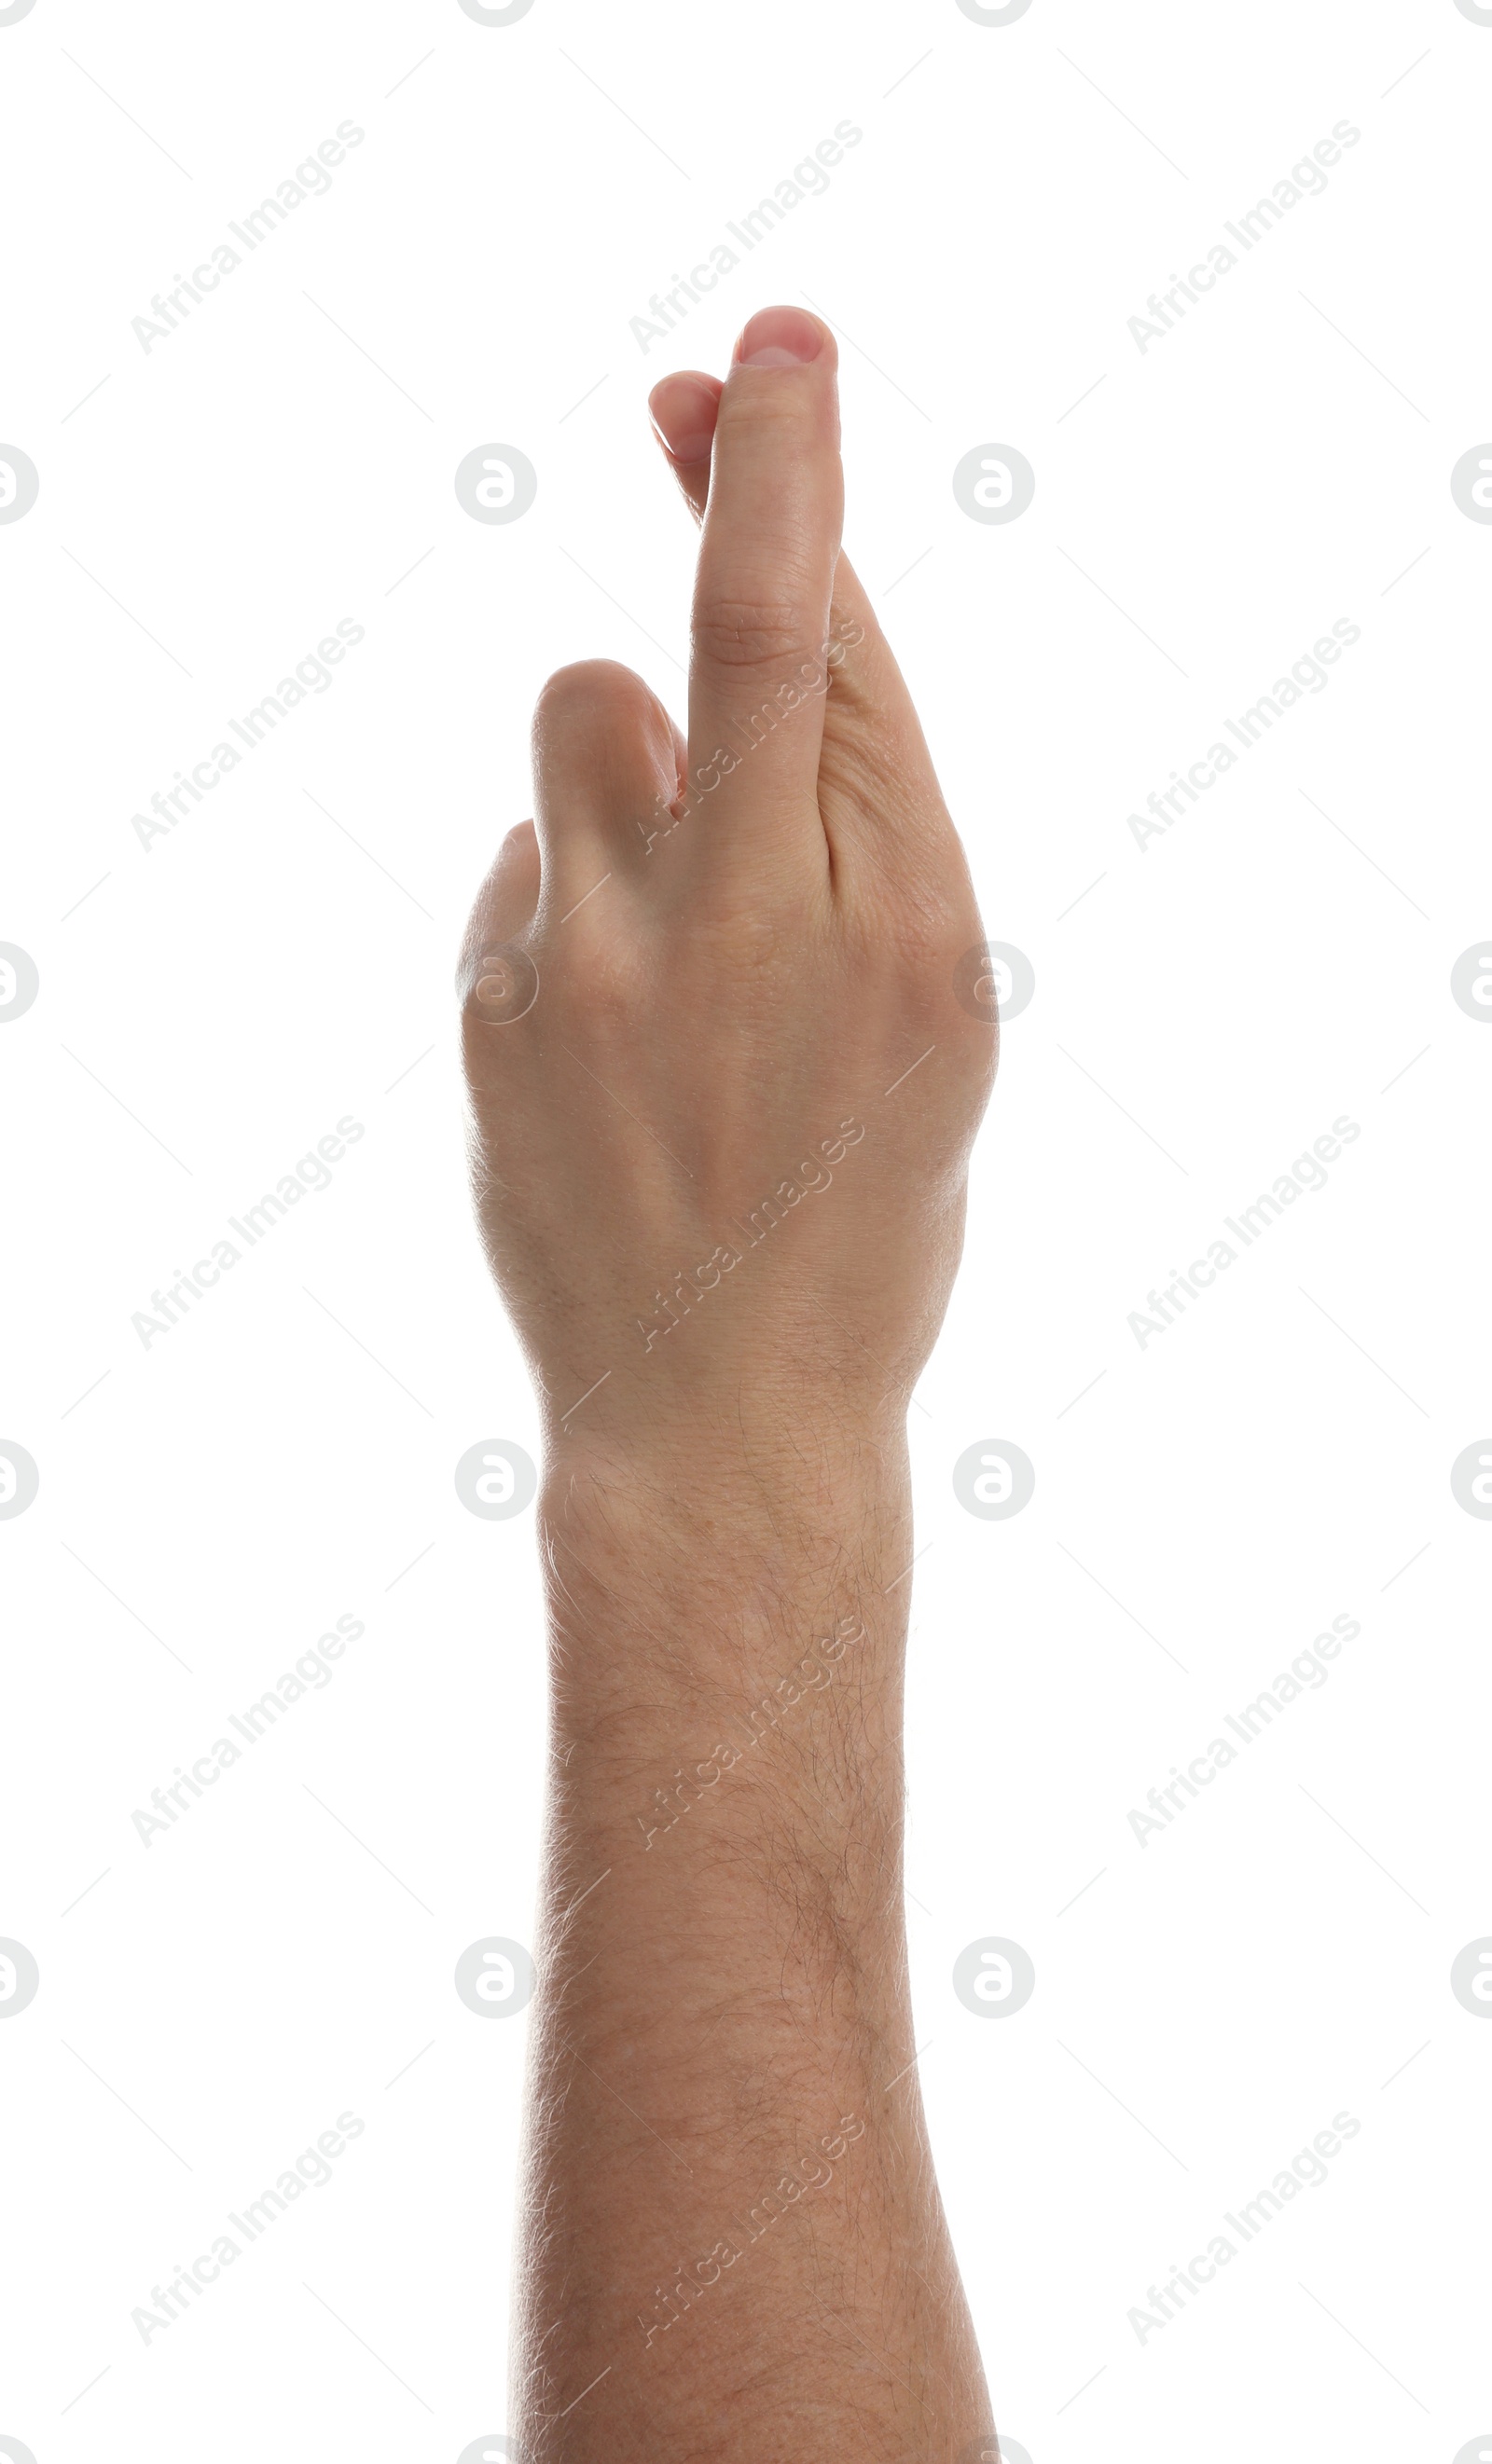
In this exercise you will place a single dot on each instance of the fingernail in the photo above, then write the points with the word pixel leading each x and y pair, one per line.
pixel 682 412
pixel 779 337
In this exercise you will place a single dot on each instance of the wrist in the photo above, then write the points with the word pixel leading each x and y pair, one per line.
pixel 719 1506
pixel 712 1566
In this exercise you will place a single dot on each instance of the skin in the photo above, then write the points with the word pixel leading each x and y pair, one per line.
pixel 729 2207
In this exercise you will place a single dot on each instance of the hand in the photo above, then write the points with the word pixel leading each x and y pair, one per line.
pixel 723 1089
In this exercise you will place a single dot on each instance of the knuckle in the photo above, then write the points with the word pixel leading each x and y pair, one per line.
pixel 932 928
pixel 945 935
pixel 756 400
pixel 752 634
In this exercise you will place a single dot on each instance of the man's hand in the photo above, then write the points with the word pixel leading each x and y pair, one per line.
pixel 727 1058
pixel 721 1158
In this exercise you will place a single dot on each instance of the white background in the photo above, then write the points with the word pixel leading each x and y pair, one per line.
pixel 209 1009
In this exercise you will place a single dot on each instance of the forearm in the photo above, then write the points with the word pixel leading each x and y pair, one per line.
pixel 729 2198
